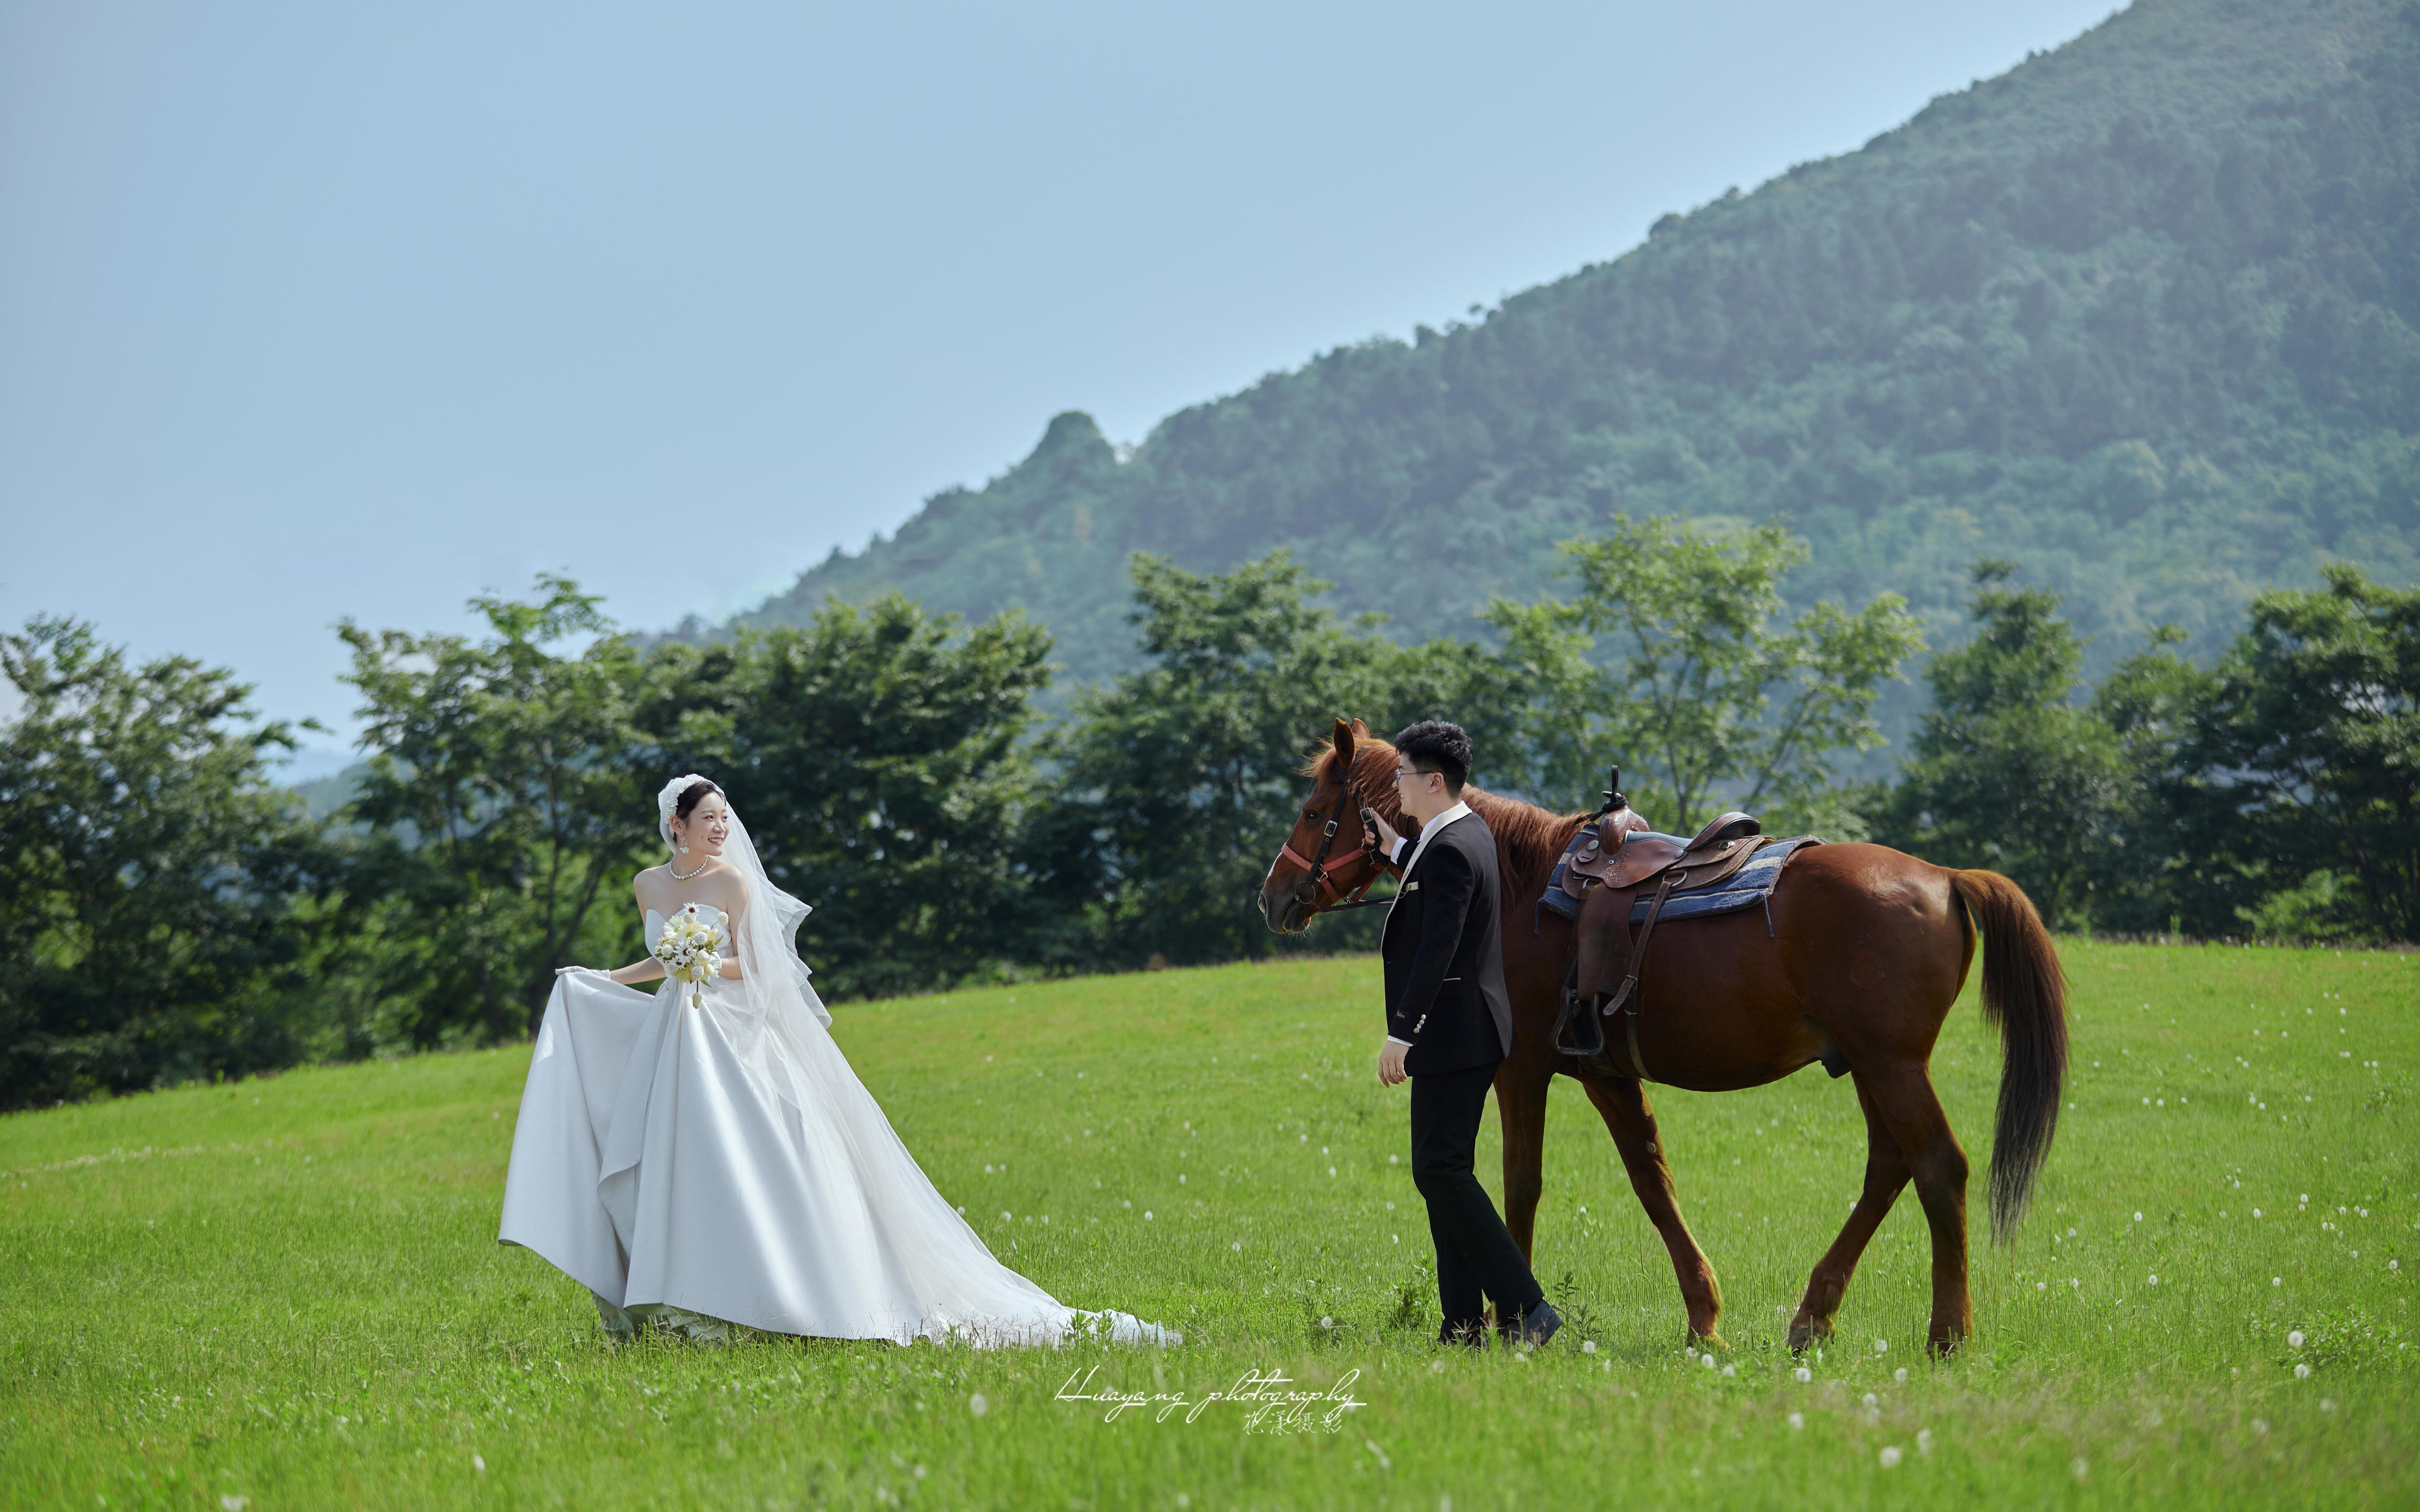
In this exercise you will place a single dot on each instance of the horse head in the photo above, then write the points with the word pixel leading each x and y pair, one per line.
pixel 1325 861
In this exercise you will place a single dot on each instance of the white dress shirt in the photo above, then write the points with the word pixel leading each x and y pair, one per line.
pixel 1459 810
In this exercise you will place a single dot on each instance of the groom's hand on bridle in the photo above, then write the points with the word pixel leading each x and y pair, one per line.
pixel 1386 833
pixel 1391 1063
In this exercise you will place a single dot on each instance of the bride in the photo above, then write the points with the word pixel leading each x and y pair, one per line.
pixel 703 1155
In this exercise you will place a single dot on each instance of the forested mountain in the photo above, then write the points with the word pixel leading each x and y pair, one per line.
pixel 2142 314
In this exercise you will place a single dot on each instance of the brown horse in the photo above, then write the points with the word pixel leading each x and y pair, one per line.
pixel 1866 951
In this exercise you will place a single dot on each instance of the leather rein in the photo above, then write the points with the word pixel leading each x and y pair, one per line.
pixel 1316 864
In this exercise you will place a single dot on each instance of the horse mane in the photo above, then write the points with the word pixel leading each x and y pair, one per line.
pixel 1529 839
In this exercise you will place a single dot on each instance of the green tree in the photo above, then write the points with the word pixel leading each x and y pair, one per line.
pixel 1180 779
pixel 877 756
pixel 153 884
pixel 2306 758
pixel 498 801
pixel 2143 879
pixel 1668 659
pixel 2008 772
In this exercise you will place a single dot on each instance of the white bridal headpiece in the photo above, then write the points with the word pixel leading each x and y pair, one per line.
pixel 775 978
pixel 670 797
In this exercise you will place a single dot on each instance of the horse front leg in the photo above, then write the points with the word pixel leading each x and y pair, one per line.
pixel 1522 1083
pixel 1886 1172
pixel 1623 1104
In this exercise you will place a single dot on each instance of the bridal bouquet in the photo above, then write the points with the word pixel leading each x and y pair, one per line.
pixel 690 949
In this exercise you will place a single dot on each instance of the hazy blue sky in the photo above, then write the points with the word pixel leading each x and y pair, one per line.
pixel 311 310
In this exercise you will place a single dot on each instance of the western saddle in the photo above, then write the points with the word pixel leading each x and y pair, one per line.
pixel 1613 860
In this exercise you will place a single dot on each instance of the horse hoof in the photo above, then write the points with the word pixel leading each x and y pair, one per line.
pixel 1710 1339
pixel 1942 1348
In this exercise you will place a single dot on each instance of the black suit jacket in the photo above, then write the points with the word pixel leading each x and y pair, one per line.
pixel 1444 950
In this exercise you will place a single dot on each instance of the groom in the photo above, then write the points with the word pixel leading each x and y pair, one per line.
pixel 1449 1024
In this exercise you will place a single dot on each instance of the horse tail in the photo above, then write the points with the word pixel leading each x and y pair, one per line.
pixel 2025 996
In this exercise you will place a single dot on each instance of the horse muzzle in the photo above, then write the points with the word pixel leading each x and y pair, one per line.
pixel 1286 907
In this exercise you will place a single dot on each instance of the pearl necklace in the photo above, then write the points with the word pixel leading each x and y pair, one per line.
pixel 675 871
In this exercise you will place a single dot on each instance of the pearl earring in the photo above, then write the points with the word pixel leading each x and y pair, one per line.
pixel 684 850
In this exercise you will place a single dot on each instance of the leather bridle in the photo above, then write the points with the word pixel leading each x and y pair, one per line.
pixel 1316 864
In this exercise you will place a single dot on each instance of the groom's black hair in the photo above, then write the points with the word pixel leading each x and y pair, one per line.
pixel 1434 745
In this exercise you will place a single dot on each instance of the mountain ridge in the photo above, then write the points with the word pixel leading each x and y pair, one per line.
pixel 2139 312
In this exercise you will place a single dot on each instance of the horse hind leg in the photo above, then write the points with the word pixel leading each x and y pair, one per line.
pixel 1886 1172
pixel 1912 1111
pixel 1628 1117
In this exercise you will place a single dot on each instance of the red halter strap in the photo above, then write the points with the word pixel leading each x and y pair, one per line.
pixel 1317 865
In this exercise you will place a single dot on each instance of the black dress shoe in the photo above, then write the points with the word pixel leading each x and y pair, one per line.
pixel 1539 1323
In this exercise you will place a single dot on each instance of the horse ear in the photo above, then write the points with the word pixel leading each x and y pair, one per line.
pixel 1344 734
pixel 1360 729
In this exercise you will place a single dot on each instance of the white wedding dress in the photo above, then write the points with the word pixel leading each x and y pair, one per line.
pixel 690 1165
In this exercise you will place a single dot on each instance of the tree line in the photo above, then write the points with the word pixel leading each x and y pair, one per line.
pixel 169 912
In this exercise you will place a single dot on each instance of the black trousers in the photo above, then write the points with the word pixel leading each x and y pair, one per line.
pixel 1475 1251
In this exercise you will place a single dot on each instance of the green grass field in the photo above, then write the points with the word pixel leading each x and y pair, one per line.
pixel 288 1291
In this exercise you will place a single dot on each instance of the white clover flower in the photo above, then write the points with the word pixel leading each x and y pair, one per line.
pixel 2302 1372
pixel 977 1405
pixel 1797 1421
pixel 2295 1338
pixel 1890 1456
pixel 1802 1375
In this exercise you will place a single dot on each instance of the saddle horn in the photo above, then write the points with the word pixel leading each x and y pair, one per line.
pixel 1614 801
